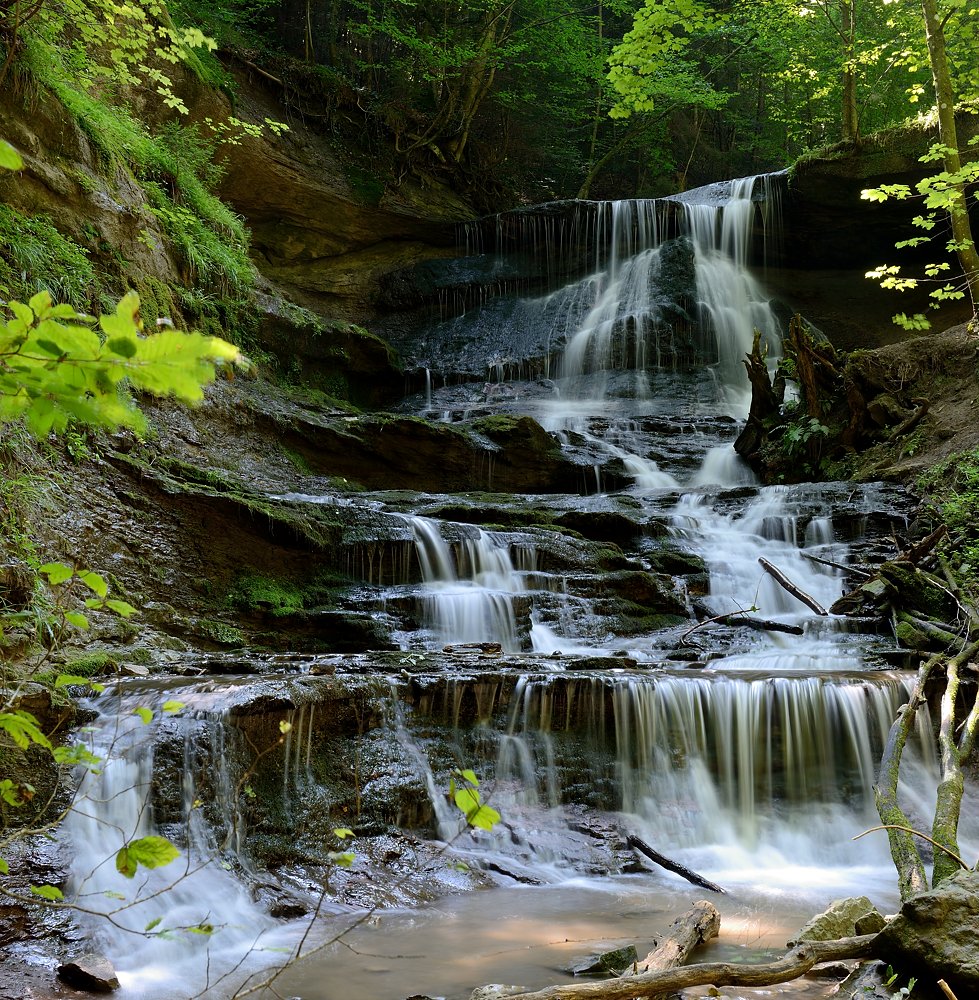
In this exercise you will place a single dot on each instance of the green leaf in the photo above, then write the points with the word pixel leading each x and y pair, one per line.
pixel 49 347
pixel 94 582
pixel 485 818
pixel 206 929
pixel 155 922
pixel 342 832
pixel 112 894
pixel 172 707
pixel 121 608
pixel 10 159
pixel 144 713
pixel 77 619
pixel 57 572
pixel 4 867
pixel 47 892
pixel 152 852
pixel 344 859
pixel 124 864
pixel 125 347
pixel 469 776
pixel 23 729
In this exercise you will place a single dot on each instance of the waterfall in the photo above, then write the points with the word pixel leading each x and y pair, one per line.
pixel 469 593
pixel 182 929
pixel 757 779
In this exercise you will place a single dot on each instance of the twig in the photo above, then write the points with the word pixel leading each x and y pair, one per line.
pixel 916 833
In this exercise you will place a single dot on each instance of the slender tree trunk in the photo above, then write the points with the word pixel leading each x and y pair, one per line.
pixel 904 853
pixel 948 802
pixel 945 98
pixel 848 28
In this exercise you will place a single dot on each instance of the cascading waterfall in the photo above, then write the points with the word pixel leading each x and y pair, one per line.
pixel 188 928
pixel 755 779
pixel 470 597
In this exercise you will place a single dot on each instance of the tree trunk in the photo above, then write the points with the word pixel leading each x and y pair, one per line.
pixel 959 213
pixel 848 28
pixel 911 877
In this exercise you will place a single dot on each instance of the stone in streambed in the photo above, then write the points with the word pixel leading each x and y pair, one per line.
pixel 838 920
pixel 92 972
pixel 608 963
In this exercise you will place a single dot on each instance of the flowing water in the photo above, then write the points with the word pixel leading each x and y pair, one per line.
pixel 755 766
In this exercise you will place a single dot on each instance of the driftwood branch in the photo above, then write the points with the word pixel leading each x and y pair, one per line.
pixel 698 925
pixel 796 591
pixel 637 844
pixel 836 565
pixel 736 618
pixel 655 984
pixel 912 421
pixel 919 550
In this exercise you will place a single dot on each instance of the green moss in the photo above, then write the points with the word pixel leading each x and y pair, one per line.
pixel 267 595
pixel 92 664
pixel 35 256
pixel 175 167
pixel 221 633
pixel 952 488
pixel 155 298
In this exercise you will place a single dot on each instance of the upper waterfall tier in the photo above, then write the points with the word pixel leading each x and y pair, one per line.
pixel 578 288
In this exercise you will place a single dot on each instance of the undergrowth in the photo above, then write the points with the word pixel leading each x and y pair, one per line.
pixel 952 489
pixel 35 256
pixel 175 167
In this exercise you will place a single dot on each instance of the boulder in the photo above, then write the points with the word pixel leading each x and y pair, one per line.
pixel 608 963
pixel 91 971
pixel 936 935
pixel 838 920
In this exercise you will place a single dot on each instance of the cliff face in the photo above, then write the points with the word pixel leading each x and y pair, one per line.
pixel 323 227
pixel 324 230
pixel 834 237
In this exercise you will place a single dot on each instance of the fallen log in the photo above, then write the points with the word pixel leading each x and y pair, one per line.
pixel 835 565
pixel 765 625
pixel 786 584
pixel 912 421
pixel 919 550
pixel 640 845
pixel 697 926
pixel 655 984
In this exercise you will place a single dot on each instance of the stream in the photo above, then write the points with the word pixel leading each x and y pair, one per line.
pixel 748 756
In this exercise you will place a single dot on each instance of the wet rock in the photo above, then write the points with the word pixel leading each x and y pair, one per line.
pixel 870 923
pixel 608 963
pixel 650 592
pixel 495 991
pixel 92 972
pixel 866 980
pixel 602 525
pixel 838 920
pixel 936 934
pixel 676 562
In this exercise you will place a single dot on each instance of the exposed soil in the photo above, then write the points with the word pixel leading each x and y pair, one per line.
pixel 942 368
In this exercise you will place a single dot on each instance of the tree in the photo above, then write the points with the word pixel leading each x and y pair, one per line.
pixel 947 191
pixel 954 184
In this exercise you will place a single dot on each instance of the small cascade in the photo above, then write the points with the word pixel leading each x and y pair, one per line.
pixel 759 779
pixel 470 587
pixel 768 527
pixel 189 928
